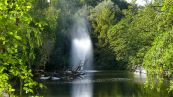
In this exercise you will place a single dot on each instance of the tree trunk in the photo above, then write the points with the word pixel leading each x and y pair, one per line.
pixel 21 86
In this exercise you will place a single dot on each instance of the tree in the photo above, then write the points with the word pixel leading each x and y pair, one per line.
pixel 158 59
pixel 132 36
pixel 19 36
pixel 102 17
pixel 118 36
pixel 46 14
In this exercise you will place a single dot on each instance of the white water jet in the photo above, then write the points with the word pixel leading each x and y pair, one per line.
pixel 48 1
pixel 81 54
pixel 81 48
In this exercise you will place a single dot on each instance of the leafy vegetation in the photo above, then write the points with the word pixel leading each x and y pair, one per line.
pixel 143 37
pixel 20 35
pixel 36 33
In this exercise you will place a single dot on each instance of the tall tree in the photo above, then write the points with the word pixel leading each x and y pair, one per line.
pixel 20 35
pixel 102 17
pixel 158 59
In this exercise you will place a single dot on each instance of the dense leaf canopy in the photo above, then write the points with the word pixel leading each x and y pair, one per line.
pixel 36 33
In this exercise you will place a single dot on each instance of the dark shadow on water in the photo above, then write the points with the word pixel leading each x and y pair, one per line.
pixel 104 84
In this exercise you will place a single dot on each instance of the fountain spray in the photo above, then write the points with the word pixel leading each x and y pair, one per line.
pixel 81 53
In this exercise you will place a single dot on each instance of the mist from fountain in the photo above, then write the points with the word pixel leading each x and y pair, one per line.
pixel 81 54
pixel 81 48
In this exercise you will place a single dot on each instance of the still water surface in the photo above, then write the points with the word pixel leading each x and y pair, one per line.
pixel 103 84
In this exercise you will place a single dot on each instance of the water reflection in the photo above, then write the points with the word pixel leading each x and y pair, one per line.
pixel 80 89
pixel 140 78
pixel 104 84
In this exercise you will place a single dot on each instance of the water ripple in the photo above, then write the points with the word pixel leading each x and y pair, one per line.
pixel 82 81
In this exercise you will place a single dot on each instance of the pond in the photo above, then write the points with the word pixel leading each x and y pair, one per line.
pixel 103 84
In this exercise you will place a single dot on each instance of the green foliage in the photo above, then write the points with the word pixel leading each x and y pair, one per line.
pixel 103 16
pixel 60 52
pixel 45 15
pixel 144 37
pixel 131 37
pixel 158 59
pixel 160 54
pixel 101 19
pixel 19 36
pixel 33 33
